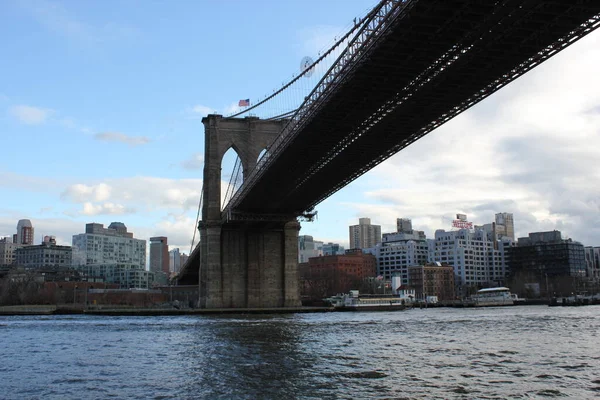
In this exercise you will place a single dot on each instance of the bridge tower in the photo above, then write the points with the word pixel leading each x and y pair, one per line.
pixel 251 262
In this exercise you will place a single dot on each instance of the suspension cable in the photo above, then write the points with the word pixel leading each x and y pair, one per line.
pixel 197 218
pixel 306 70
pixel 237 175
pixel 231 178
pixel 281 116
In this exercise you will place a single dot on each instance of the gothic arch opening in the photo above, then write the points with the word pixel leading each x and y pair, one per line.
pixel 232 175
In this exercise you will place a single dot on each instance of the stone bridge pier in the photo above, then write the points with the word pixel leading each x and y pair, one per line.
pixel 243 264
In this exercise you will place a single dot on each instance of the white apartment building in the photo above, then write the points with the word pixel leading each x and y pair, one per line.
pixel 477 260
pixel 394 257
pixel 110 253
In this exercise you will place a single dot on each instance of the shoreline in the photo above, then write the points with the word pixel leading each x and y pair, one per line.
pixel 60 310
pixel 41 310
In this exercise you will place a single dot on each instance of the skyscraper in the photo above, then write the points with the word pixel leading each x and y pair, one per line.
pixel 364 235
pixel 174 261
pixel 24 232
pixel 506 220
pixel 159 255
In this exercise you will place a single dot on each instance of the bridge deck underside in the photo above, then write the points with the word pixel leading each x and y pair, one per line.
pixel 436 60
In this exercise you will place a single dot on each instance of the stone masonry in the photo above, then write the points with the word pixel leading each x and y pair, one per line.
pixel 243 264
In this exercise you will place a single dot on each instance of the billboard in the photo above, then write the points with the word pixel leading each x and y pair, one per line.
pixel 461 217
pixel 460 224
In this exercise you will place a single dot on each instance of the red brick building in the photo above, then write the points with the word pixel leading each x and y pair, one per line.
pixel 432 280
pixel 326 276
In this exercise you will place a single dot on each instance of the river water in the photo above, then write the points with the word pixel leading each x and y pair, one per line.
pixel 491 353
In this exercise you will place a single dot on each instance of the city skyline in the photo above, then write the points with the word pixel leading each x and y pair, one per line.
pixel 528 149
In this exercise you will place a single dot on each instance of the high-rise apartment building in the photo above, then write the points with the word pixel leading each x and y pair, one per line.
pixel 404 225
pixel 477 260
pixel 110 253
pixel 159 255
pixel 25 232
pixel 364 235
pixel 176 260
pixel 505 225
pixel 394 258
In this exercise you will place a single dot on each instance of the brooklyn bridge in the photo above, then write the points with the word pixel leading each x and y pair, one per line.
pixel 400 72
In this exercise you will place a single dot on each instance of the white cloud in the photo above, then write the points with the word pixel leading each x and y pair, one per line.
pixel 80 193
pixel 122 138
pixel 139 192
pixel 195 162
pixel 105 209
pixel 30 115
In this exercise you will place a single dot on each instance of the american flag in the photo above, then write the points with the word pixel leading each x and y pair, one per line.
pixel 244 103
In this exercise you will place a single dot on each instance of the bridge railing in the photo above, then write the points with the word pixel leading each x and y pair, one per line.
pixel 372 28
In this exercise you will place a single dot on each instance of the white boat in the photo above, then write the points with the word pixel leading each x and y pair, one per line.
pixel 498 296
pixel 353 302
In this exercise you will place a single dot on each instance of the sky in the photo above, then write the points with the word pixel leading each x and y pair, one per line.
pixel 101 105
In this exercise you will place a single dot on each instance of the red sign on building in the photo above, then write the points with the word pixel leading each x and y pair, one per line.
pixel 457 223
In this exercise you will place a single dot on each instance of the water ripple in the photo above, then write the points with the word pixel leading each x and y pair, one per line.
pixel 495 353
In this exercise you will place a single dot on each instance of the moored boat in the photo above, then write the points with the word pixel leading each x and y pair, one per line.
pixel 490 297
pixel 353 302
